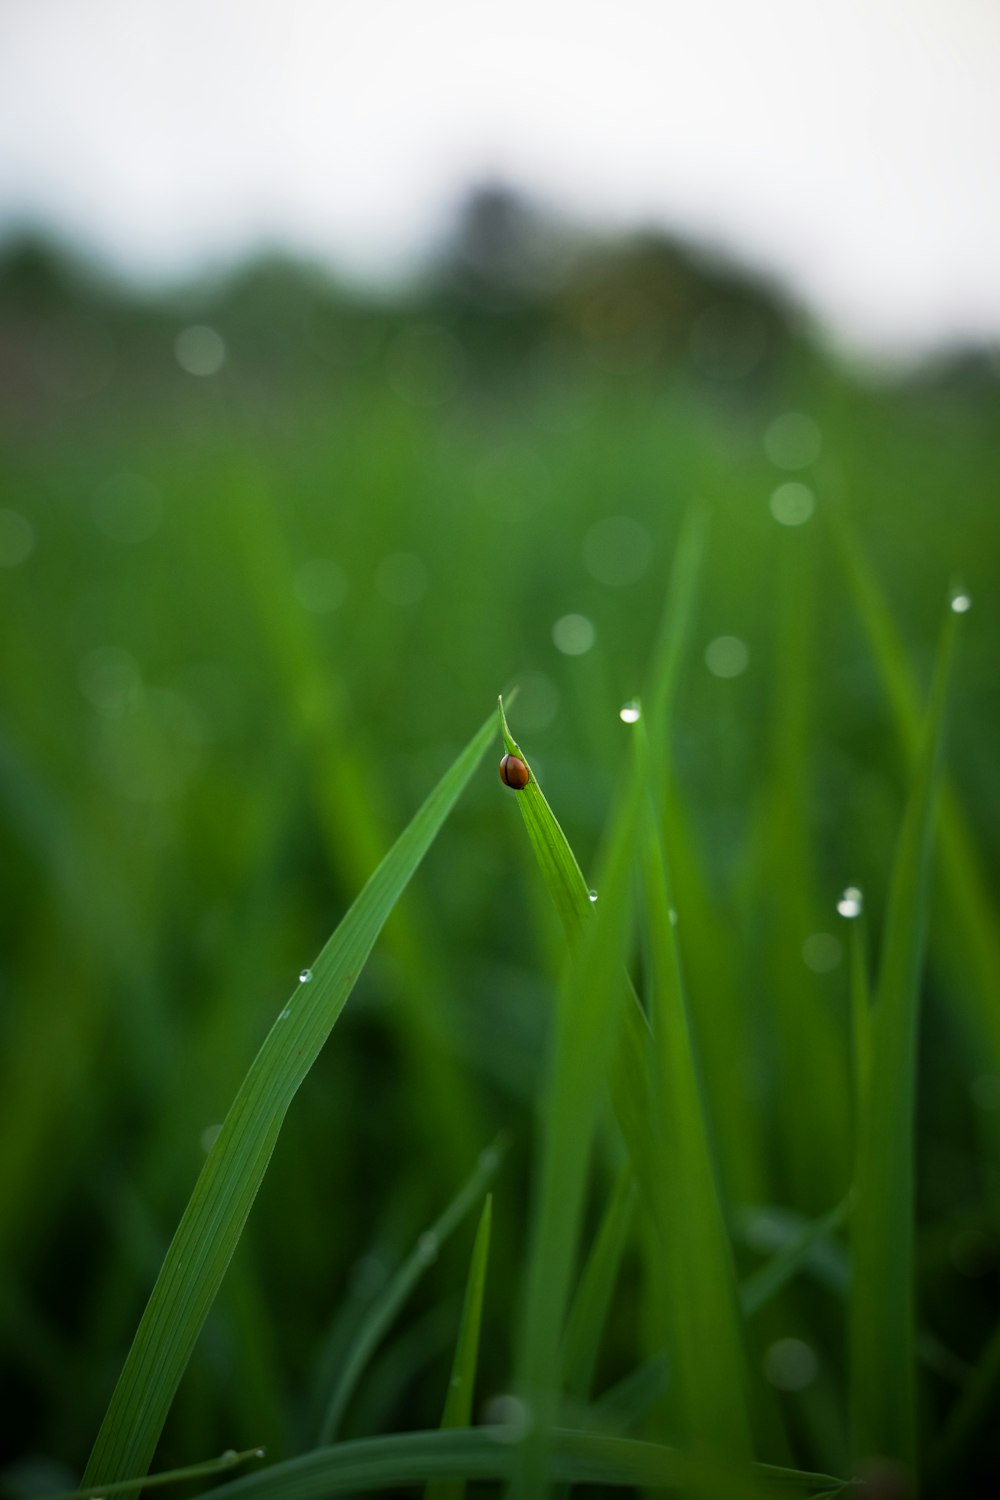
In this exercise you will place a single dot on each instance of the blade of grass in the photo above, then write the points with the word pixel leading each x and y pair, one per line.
pixel 587 1020
pixel 207 1470
pixel 589 1312
pixel 630 1078
pixel 882 1302
pixel 970 930
pixel 694 1280
pixel 461 1386
pixel 400 1459
pixel 386 1307
pixel 766 1282
pixel 213 1221
pixel 975 1402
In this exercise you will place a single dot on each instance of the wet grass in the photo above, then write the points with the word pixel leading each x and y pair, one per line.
pixel 745 1235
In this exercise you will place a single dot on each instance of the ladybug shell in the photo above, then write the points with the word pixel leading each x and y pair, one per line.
pixel 514 773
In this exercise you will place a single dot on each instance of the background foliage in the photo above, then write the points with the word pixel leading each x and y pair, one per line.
pixel 249 617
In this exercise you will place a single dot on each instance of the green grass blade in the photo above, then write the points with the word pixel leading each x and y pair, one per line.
pixel 882 1312
pixel 629 1073
pixel 694 1280
pixel 970 929
pixel 975 1403
pixel 589 1312
pixel 213 1221
pixel 587 1022
pixel 211 1468
pixel 461 1386
pixel 765 1283
pixel 392 1462
pixel 386 1307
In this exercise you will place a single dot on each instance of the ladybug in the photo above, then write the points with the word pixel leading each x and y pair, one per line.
pixel 514 773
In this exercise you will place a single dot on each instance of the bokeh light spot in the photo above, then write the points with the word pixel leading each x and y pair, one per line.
pixel 792 504
pixel 17 538
pixel 573 635
pixel 727 656
pixel 790 1365
pixel 200 350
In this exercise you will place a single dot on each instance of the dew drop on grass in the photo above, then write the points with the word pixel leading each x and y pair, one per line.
pixel 673 917
pixel 229 1456
pixel 960 604
pixel 305 976
pixel 851 903
pixel 209 1136
pixel 630 713
pixel 507 1418
pixel 427 1247
pixel 591 897
pixel 489 1159
pixel 285 1013
pixel 259 1452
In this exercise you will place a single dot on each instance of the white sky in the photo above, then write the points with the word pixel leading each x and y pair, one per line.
pixel 853 146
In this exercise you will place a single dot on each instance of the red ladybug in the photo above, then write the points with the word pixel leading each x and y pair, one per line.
pixel 514 773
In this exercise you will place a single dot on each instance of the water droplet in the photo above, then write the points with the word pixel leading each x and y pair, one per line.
pixel 790 1364
pixel 630 713
pixel 673 917
pixel 960 604
pixel 285 1013
pixel 209 1136
pixel 851 903
pixel 508 1418
pixel 229 1456
pixel 427 1246
pixel 259 1452
pixel 305 976
pixel 591 897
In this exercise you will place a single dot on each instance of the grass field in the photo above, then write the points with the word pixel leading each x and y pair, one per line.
pixel 745 1205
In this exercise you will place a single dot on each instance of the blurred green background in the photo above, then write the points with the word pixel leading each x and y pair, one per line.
pixel 270 547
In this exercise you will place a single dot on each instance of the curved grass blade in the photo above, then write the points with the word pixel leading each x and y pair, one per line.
pixel 588 1019
pixel 630 1075
pixel 400 1459
pixel 882 1302
pixel 210 1469
pixel 213 1221
pixel 387 1305
pixel 461 1386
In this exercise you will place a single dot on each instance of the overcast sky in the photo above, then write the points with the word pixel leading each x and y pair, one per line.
pixel 853 146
